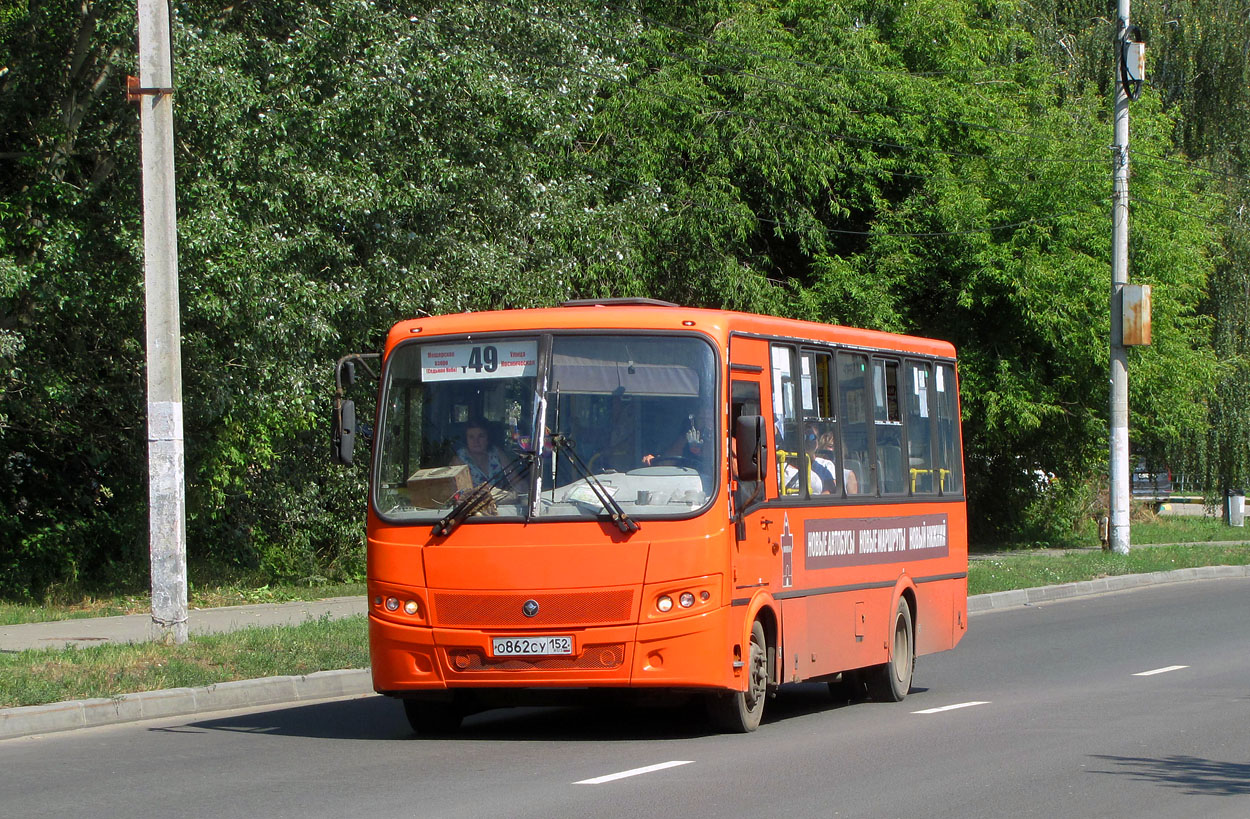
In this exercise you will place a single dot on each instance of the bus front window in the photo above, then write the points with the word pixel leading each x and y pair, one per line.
pixel 626 421
pixel 456 415
pixel 637 417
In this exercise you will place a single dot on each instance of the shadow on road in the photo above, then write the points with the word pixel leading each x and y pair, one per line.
pixel 1190 774
pixel 606 719
pixel 369 718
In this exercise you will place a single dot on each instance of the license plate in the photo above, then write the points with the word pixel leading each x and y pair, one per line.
pixel 531 646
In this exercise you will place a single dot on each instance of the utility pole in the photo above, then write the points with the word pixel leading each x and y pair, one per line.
pixel 167 531
pixel 1126 75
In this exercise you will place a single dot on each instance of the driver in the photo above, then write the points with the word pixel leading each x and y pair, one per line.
pixel 691 443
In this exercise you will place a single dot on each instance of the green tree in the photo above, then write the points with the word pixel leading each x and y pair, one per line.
pixel 340 165
pixel 918 167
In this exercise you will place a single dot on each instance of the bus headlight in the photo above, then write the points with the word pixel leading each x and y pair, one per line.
pixel 673 599
pixel 397 604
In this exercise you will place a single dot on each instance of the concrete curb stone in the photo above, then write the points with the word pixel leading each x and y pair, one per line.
pixel 996 601
pixel 176 702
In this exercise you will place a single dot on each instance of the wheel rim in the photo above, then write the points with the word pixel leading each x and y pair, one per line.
pixel 759 676
pixel 902 648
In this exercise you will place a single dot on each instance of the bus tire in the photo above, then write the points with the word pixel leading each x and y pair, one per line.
pixel 432 718
pixel 890 681
pixel 739 712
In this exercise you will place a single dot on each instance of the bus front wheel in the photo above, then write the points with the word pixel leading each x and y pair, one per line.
pixel 740 711
pixel 891 681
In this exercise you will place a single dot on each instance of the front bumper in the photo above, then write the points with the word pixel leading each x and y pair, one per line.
pixel 695 651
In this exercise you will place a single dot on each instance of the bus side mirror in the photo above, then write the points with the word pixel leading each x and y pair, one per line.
pixel 748 445
pixel 344 431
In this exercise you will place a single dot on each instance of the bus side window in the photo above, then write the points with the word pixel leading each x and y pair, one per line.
pixel 889 428
pixel 792 480
pixel 745 400
pixel 919 430
pixel 950 461
pixel 820 442
pixel 856 444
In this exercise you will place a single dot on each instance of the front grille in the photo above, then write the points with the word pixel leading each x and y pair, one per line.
pixel 555 609
pixel 592 658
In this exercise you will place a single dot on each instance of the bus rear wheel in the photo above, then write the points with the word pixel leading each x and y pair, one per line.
pixel 433 718
pixel 741 711
pixel 891 681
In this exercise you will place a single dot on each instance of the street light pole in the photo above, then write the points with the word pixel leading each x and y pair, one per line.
pixel 1118 531
pixel 166 471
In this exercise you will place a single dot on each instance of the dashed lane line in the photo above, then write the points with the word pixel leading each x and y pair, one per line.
pixel 952 707
pixel 599 780
pixel 1163 670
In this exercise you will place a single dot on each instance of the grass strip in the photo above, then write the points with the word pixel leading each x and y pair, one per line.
pixel 1025 571
pixel 1167 529
pixel 15 613
pixel 52 675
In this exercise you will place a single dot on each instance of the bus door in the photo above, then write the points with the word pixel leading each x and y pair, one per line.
pixel 757 564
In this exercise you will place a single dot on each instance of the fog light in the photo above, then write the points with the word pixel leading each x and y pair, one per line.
pixel 392 604
pixel 410 607
pixel 665 603
pixel 704 596
pixel 377 601
pixel 686 600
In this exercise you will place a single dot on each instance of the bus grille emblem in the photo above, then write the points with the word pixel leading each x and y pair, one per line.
pixel 530 608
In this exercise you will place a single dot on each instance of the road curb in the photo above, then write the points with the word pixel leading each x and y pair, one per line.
pixel 996 601
pixel 177 702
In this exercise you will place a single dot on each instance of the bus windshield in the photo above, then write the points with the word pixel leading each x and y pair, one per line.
pixel 562 430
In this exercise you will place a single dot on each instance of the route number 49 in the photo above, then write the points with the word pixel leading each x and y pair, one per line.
pixel 482 358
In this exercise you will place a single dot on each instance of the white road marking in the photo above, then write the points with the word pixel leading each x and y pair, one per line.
pixel 952 707
pixel 1160 671
pixel 599 780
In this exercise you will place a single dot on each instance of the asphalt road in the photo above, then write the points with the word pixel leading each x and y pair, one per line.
pixel 1057 720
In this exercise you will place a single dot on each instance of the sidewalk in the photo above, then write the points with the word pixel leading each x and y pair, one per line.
pixel 64 716
pixel 134 628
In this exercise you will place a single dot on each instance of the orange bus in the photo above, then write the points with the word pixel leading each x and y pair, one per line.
pixel 628 494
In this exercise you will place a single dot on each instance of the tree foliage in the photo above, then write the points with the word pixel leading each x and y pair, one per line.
pixel 933 166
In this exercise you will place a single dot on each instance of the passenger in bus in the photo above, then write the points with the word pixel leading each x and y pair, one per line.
pixel 826 446
pixel 815 485
pixel 483 458
pixel 824 469
pixel 821 462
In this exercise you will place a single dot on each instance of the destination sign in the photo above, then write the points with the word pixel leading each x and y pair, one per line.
pixel 472 362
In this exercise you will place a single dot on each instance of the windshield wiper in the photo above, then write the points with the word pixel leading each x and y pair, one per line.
pixel 477 498
pixel 623 521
